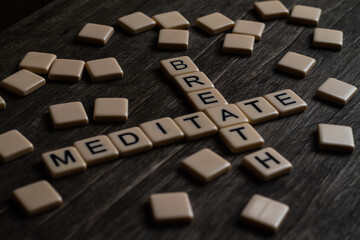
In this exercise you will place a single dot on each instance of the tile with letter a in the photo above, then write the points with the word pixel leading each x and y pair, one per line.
pixel 336 91
pixel 2 103
pixel 177 66
pixel 226 115
pixel 296 64
pixel 336 138
pixel 65 115
pixel 111 109
pixel 37 62
pixel 95 34
pixel 258 110
pixel 104 69
pixel 271 9
pixel 171 20
pixel 206 98
pixel 238 44
pixel 305 15
pixel 136 23
pixel 173 39
pixel 251 28
pixel 328 38
pixel 14 145
pixel 191 82
pixel 214 23
pixel 68 70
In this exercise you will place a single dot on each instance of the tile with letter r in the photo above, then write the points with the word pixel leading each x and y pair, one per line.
pixel 177 66
pixel 190 82
pixel 206 98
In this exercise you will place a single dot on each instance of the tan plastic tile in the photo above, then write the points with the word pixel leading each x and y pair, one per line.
pixel 264 213
pixel 130 141
pixel 170 208
pixel 111 109
pixel 240 138
pixel 271 9
pixel 173 39
pixel 226 115
pixel 191 82
pixel 95 34
pixel 14 145
pixel 162 131
pixel 206 165
pixel 37 62
pixel 336 91
pixel 328 38
pixel 336 138
pixel 238 44
pixel 258 110
pixel 214 23
pixel 96 149
pixel 251 28
pixel 23 82
pixel 305 15
pixel 66 70
pixel 196 125
pixel 296 64
pixel 177 66
pixel 37 197
pixel 286 102
pixel 206 98
pixel 136 23
pixel 2 103
pixel 104 69
pixel 173 20
pixel 68 115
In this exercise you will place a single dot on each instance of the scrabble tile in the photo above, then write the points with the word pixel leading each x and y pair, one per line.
pixel 196 125
pixel 170 208
pixel 191 82
pixel 173 39
pixel 214 23
pixel 37 62
pixel 336 138
pixel 130 141
pixel 206 165
pixel 271 9
pixel 14 145
pixel 173 20
pixel 66 70
pixel 111 109
pixel 95 34
pixel 336 91
pixel 264 213
pixel 238 44
pixel 177 66
pixel 68 115
pixel 296 64
pixel 328 38
pixel 37 197
pixel 136 23
pixel 96 150
pixel 267 164
pixel 63 162
pixel 2 103
pixel 206 98
pixel 305 15
pixel 226 115
pixel 162 131
pixel 241 137
pixel 104 69
pixel 23 82
pixel 286 102
pixel 247 27
pixel 258 110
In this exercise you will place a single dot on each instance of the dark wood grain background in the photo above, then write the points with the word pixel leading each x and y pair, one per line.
pixel 110 201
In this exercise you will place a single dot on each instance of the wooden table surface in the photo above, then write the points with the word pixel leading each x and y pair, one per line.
pixel 110 200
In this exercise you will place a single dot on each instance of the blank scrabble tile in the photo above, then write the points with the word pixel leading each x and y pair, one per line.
pixel 336 91
pixel 296 64
pixel 267 164
pixel 63 162
pixel 66 70
pixel 196 125
pixel 177 66
pixel 191 82
pixel 130 141
pixel 271 9
pixel 286 102
pixel 247 27
pixel 328 38
pixel 68 115
pixel 37 62
pixel 172 20
pixel 241 137
pixel 104 69
pixel 14 145
pixel 23 82
pixel 264 213
pixel 238 44
pixel 95 34
pixel 170 208
pixel 336 138
pixel 226 115
pixel 111 109
pixel 258 110
pixel 173 39
pixel 214 23
pixel 206 98
pixel 37 197
pixel 206 165
pixel 96 149
pixel 2 103
pixel 162 131
pixel 136 23
pixel 305 15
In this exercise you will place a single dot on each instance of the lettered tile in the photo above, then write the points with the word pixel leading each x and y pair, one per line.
pixel 23 82
pixel 305 15
pixel 111 109
pixel 226 115
pixel 173 20
pixel 68 115
pixel 238 44
pixel 214 23
pixel 336 91
pixel 37 62
pixel 271 9
pixel 104 69
pixel 296 64
pixel 177 66
pixel 258 110
pixel 173 39
pixel 136 22
pixel 247 27
pixel 66 70
pixel 14 145
pixel 336 138
pixel 206 98
pixel 2 103
pixel 328 38
pixel 191 82
pixel 95 34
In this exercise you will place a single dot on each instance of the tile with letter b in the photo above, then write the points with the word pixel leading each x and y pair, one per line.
pixel 206 98
pixel 2 103
pixel 104 69
pixel 251 28
pixel 68 70
pixel 176 66
pixel 305 15
pixel 174 39
pixel 171 20
pixel 37 62
pixel 70 114
pixel 111 109
pixel 336 138
pixel 238 44
pixel 296 64
pixel 271 9
pixel 336 91
pixel 214 23
pixel 136 23
pixel 328 38
pixel 258 110
pixel 226 115
pixel 191 82
pixel 14 145
pixel 97 34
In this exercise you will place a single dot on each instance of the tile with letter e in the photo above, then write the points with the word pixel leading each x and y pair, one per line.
pixel 136 23
pixel 2 103
pixel 336 138
pixel 271 9
pixel 191 82
pixel 171 20
pixel 111 109
pixel 296 64
pixel 104 69
pixel 70 114
pixel 251 28
pixel 238 44
pixel 226 115
pixel 14 145
pixel 305 15
pixel 174 39
pixel 66 70
pixel 23 82
pixel 214 23
pixel 258 110
pixel 95 34
pixel 37 62
pixel 177 66
pixel 336 91
pixel 206 98
pixel 328 38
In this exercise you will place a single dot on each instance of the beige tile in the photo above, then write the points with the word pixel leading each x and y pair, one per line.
pixel 214 23
pixel 104 69
pixel 336 91
pixel 66 70
pixel 37 62
pixel 206 98
pixel 271 9
pixel 63 162
pixel 173 20
pixel 196 125
pixel 130 141
pixel 296 64
pixel 14 145
pixel 170 208
pixel 191 82
pixel 226 115
pixel 173 39
pixel 206 165
pixel 111 109
pixel 286 102
pixel 136 23
pixel 238 44
pixel 37 197
pixel 68 115
pixel 264 213
pixel 328 38
pixel 162 131
pixel 23 82
pixel 305 15
pixel 177 66
pixel 336 138
pixel 251 28
pixel 96 149
pixel 240 138
pixel 95 34
pixel 258 110
pixel 2 103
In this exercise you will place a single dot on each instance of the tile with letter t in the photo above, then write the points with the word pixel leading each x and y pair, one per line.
pixel 14 145
pixel 336 91
pixel 206 98
pixel 226 115
pixel 176 66
pixel 296 64
pixel 65 115
pixel 336 138
pixel 136 23
pixel 95 34
pixel 271 9
pixel 37 62
pixel 171 20
pixel 191 82
pixel 258 110
pixel 214 23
